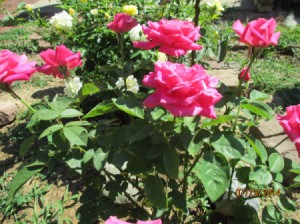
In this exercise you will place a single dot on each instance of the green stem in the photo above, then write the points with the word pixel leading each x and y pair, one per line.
pixel 190 169
pixel 236 118
pixel 229 189
pixel 196 23
pixel 16 96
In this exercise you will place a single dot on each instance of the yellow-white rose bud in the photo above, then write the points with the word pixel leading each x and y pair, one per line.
pixel 71 11
pixel 162 56
pixel 28 7
pixel 130 10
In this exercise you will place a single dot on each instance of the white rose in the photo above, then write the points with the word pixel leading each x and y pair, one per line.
pixel 72 86
pixel 94 12
pixel 136 34
pixel 62 21
pixel 131 84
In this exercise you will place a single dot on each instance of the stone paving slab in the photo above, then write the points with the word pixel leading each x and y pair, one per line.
pixel 267 128
pixel 284 147
pixel 228 76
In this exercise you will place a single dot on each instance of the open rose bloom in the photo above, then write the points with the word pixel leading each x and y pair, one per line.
pixel 183 91
pixel 114 220
pixel 291 124
pixel 122 23
pixel 59 59
pixel 173 37
pixel 257 33
pixel 15 67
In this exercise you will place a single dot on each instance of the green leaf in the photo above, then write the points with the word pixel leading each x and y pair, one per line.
pixel 25 145
pixel 214 174
pixel 276 163
pixel 50 130
pixel 261 176
pixel 76 135
pixel 99 159
pixel 286 204
pixel 197 142
pixel 259 148
pixel 229 146
pixel 291 221
pixel 74 164
pixel 137 130
pixel 68 113
pixel 222 50
pixel 60 104
pixel 137 165
pixel 171 162
pixel 256 95
pixel 130 106
pixel 78 123
pixel 22 177
pixel 102 108
pixel 271 215
pixel 178 200
pixel 191 123
pixel 87 89
pixel 297 171
pixel 219 120
pixel 258 108
pixel 245 214
pixel 46 114
pixel 88 155
pixel 154 191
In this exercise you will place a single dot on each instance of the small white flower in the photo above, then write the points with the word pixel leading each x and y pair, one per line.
pixel 131 84
pixel 61 21
pixel 162 56
pixel 29 7
pixel 72 86
pixel 136 34
pixel 94 12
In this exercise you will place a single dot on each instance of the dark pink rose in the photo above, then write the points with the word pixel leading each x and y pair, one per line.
pixel 15 67
pixel 174 37
pixel 58 60
pixel 114 220
pixel 183 91
pixel 243 76
pixel 291 124
pixel 257 33
pixel 122 23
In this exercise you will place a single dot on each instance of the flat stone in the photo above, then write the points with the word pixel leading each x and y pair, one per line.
pixel 8 112
pixel 284 147
pixel 228 76
pixel 223 65
pixel 267 128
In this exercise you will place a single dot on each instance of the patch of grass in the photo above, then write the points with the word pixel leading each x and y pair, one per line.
pixel 17 40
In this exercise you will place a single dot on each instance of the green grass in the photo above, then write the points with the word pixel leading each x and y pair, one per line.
pixel 17 40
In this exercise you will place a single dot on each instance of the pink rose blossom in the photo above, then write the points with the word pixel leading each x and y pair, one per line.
pixel 122 23
pixel 291 124
pixel 183 91
pixel 114 220
pixel 59 59
pixel 174 37
pixel 257 33
pixel 245 77
pixel 15 67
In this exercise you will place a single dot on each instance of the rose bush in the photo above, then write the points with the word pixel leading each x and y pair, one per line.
pixel 174 37
pixel 257 33
pixel 181 90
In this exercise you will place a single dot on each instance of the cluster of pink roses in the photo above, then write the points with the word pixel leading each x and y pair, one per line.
pixel 15 67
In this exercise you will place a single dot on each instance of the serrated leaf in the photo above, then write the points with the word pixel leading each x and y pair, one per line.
pixel 271 215
pixel 155 192
pixel 258 108
pixel 138 130
pixel 88 89
pixel 261 176
pixel 276 162
pixel 101 108
pixel 130 106
pixel 229 146
pixel 99 159
pixel 78 123
pixel 46 114
pixel 178 200
pixel 50 130
pixel 171 162
pixel 259 148
pixel 286 204
pixel 88 155
pixel 197 142
pixel 25 145
pixel 256 95
pixel 60 104
pixel 76 135
pixel 68 113
pixel 214 174
pixel 22 177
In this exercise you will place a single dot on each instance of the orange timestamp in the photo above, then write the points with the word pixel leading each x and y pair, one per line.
pixel 265 192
